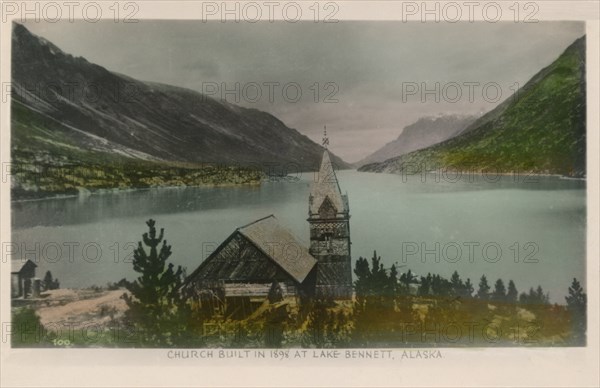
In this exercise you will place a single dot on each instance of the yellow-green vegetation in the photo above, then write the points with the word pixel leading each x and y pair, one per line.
pixel 449 322
pixel 430 322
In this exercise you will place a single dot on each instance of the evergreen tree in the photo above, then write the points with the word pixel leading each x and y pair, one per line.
pixel 155 305
pixel 483 292
pixel 393 272
pixel 404 298
pixel 576 306
pixel 512 293
pixel 468 289
pixel 577 299
pixel 457 285
pixel 528 298
pixel 373 284
pixel 376 295
pixel 523 298
pixel 534 297
pixel 499 294
pixel 362 282
pixel 440 286
pixel 392 286
pixel 436 287
pixel 406 279
pixel 541 297
pixel 48 281
pixel 379 280
pixel 425 287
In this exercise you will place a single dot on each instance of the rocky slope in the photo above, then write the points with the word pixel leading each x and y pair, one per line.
pixel 423 133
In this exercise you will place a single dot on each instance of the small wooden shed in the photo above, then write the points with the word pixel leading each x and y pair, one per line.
pixel 22 276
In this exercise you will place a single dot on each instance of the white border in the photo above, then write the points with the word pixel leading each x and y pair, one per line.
pixel 458 367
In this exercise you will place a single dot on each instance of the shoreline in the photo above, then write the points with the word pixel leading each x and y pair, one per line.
pixel 88 193
pixel 481 173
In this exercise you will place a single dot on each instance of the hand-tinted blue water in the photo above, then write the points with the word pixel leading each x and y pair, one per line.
pixel 531 230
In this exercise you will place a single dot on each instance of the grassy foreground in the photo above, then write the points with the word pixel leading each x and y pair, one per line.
pixel 95 318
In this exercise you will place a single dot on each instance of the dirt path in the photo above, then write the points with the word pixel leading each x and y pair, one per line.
pixel 81 307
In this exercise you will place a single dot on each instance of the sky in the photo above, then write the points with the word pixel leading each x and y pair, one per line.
pixel 365 80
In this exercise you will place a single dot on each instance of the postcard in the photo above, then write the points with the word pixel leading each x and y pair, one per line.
pixel 299 194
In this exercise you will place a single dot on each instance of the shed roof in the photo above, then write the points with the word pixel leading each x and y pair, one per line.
pixel 281 246
pixel 18 265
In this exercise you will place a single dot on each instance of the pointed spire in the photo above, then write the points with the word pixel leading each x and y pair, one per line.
pixel 326 186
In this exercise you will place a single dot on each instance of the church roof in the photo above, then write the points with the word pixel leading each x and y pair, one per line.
pixel 281 246
pixel 259 252
pixel 326 186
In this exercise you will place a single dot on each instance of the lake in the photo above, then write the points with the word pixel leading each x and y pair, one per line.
pixel 528 229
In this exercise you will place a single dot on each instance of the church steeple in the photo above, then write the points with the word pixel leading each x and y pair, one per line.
pixel 326 185
pixel 329 219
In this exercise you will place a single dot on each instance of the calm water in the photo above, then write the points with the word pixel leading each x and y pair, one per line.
pixel 88 240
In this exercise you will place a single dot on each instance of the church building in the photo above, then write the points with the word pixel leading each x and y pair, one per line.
pixel 263 255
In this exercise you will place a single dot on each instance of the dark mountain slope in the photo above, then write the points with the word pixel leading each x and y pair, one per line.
pixel 108 112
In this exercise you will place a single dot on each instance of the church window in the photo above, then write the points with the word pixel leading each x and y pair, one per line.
pixel 327 209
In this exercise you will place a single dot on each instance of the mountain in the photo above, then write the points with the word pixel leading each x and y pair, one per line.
pixel 541 129
pixel 66 109
pixel 423 133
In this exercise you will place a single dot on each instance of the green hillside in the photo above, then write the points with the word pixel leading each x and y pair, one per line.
pixel 541 129
pixel 48 159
